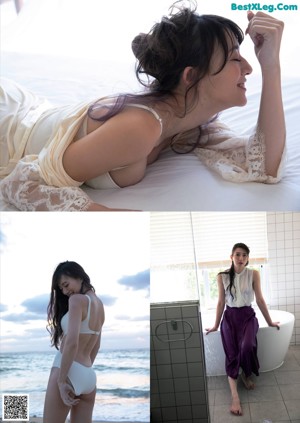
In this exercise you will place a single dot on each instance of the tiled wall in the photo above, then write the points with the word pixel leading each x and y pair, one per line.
pixel 284 258
pixel 178 383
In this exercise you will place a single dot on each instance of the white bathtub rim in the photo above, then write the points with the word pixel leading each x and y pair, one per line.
pixel 261 320
pixel 267 362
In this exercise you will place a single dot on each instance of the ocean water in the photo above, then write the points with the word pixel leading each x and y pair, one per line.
pixel 123 389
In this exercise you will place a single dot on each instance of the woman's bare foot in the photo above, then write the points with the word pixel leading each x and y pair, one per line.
pixel 236 408
pixel 249 384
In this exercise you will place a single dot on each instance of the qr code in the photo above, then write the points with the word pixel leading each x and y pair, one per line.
pixel 15 407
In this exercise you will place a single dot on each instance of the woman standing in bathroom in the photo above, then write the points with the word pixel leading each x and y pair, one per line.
pixel 239 325
pixel 76 317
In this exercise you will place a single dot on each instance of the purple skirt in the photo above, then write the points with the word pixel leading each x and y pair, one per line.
pixel 239 328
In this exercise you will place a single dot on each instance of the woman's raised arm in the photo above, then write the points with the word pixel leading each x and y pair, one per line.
pixel 266 32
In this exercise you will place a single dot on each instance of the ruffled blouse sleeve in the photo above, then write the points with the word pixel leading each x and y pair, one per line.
pixel 27 191
pixel 236 158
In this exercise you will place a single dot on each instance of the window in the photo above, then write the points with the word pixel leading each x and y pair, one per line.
pixel 208 288
pixel 173 260
pixel 189 249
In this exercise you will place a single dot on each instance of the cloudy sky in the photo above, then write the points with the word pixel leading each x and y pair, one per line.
pixel 113 248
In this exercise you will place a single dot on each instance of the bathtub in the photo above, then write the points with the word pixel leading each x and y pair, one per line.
pixel 272 343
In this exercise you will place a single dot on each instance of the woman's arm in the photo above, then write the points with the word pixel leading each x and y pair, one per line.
pixel 260 300
pixel 220 305
pixel 71 340
pixel 266 32
pixel 70 348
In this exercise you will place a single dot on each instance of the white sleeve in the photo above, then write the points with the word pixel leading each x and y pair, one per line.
pixel 26 190
pixel 236 158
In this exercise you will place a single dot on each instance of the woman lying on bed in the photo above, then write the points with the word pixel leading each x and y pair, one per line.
pixel 193 70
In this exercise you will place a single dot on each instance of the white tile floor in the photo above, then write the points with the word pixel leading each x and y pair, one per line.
pixel 275 399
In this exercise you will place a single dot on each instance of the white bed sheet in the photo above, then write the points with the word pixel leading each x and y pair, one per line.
pixel 174 182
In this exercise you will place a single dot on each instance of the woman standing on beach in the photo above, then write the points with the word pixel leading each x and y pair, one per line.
pixel 239 325
pixel 75 317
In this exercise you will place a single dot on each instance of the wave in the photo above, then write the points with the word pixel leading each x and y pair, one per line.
pixel 10 369
pixel 28 390
pixel 113 392
pixel 131 369
pixel 125 393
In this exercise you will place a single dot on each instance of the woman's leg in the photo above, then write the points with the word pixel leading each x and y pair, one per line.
pixel 230 345
pixel 230 339
pixel 249 361
pixel 82 412
pixel 247 381
pixel 55 411
pixel 235 405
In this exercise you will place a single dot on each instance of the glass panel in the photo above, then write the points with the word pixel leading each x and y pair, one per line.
pixel 174 283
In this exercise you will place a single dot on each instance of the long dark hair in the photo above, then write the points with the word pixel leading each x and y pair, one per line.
pixel 59 303
pixel 182 39
pixel 231 271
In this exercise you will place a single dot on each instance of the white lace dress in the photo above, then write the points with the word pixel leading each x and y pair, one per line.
pixel 33 138
pixel 35 135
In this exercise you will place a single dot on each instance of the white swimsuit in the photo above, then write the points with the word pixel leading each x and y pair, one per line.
pixel 83 378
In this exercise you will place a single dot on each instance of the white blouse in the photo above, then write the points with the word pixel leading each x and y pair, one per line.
pixel 242 290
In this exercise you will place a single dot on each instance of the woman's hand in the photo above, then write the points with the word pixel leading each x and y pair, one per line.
pixel 275 325
pixel 67 394
pixel 213 329
pixel 265 32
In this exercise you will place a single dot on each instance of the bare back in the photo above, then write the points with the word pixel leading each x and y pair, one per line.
pixel 88 343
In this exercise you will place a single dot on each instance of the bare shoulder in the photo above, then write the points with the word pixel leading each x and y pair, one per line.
pixel 76 300
pixel 219 277
pixel 132 123
pixel 101 309
pixel 143 121
pixel 100 303
pixel 256 278
pixel 99 300
pixel 255 273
